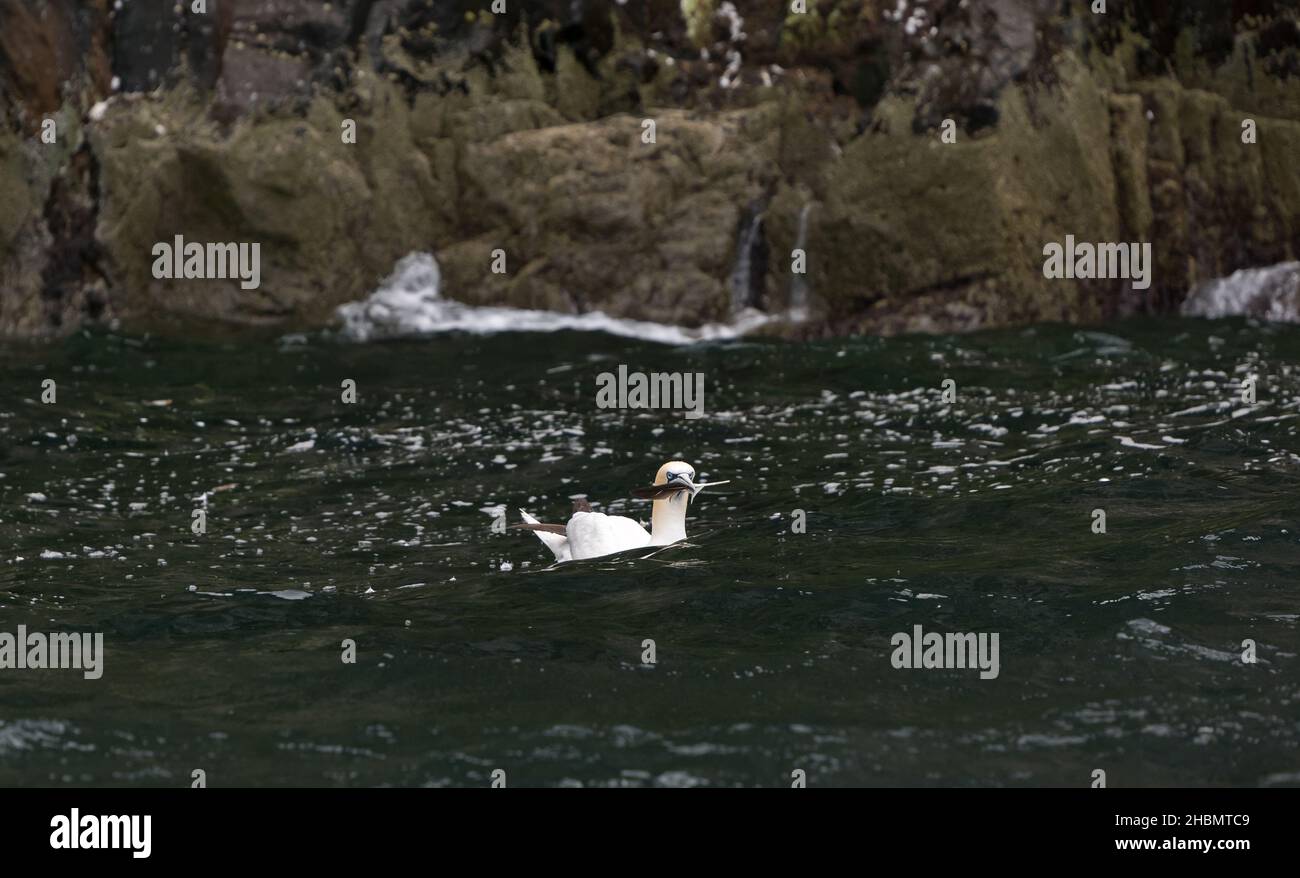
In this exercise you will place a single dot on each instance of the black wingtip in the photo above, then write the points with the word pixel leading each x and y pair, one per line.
pixel 544 528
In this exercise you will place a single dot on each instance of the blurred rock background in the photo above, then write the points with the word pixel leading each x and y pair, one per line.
pixel 522 131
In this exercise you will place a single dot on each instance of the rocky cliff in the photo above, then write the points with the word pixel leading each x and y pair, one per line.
pixel 921 153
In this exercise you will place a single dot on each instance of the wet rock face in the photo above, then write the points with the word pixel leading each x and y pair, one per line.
pixel 523 133
pixel 1215 26
pixel 51 52
pixel 54 57
pixel 963 55
pixel 275 52
pixel 147 44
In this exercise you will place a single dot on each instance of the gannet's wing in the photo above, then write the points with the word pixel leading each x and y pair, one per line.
pixel 553 535
pixel 592 534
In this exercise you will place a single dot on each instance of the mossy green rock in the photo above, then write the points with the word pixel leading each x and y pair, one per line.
pixel 917 233
pixel 331 217
pixel 591 217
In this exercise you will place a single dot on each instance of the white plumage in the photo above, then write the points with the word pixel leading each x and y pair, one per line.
pixel 592 534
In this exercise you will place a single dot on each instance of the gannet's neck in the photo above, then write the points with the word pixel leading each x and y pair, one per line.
pixel 668 519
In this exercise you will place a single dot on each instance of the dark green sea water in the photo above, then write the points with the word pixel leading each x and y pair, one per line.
pixel 371 522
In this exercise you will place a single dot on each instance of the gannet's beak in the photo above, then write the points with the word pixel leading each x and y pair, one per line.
pixel 675 485
pixel 686 481
pixel 658 492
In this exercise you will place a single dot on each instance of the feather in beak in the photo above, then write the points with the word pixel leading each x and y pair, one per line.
pixel 681 483
pixel 658 492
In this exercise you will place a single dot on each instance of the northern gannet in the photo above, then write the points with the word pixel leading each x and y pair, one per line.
pixel 592 534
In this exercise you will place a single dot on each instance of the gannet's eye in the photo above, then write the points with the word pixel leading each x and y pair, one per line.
pixel 674 476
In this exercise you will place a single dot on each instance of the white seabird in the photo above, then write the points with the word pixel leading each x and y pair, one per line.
pixel 592 534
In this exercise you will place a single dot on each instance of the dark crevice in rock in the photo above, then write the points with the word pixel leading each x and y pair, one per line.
pixel 1278 44
pixel 73 283
pixel 357 19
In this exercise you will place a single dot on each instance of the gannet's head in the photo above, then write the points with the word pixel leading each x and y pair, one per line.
pixel 676 477
pixel 676 472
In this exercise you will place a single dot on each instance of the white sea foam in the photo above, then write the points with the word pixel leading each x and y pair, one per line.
pixel 1272 293
pixel 409 302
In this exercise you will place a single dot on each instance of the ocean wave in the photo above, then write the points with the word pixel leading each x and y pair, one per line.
pixel 1271 293
pixel 409 302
